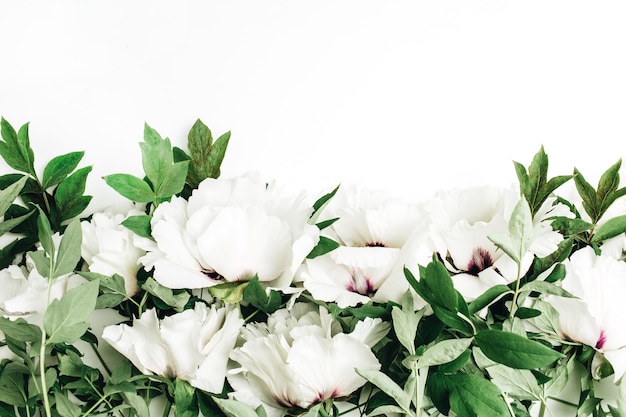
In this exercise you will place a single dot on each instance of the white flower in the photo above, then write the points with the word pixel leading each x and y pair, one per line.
pixel 596 317
pixel 230 230
pixel 192 345
pixel 379 234
pixel 300 357
pixel 109 248
pixel 25 292
pixel 463 220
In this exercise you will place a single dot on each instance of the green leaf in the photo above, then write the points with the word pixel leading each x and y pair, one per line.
pixel 405 322
pixel 59 168
pixel 611 228
pixel 216 156
pixel 324 246
pixel 322 202
pixel 443 352
pixel 515 351
pixel 234 408
pixel 139 225
pixel 174 182
pixel 42 263
pixel 69 250
pixel 138 404
pixel 131 187
pixel 10 149
pixel 609 181
pixel 545 288
pixel 255 294
pixel 45 234
pixel 25 150
pixel 388 386
pixel 20 330
pixel 12 390
pixel 69 194
pixel 436 287
pixel 473 396
pixel 199 143
pixel 588 194
pixel 65 407
pixel 185 403
pixel 156 156
pixel 10 193
pixel 112 288
pixel 487 298
pixel 10 224
pixel 521 232
pixel 519 383
pixel 65 320
pixel 175 300
pixel 229 292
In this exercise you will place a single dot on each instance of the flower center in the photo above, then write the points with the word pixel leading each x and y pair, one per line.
pixel 360 283
pixel 375 245
pixel 601 340
pixel 481 260
pixel 212 275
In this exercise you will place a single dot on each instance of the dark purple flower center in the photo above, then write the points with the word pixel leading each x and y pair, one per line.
pixel 212 275
pixel 601 340
pixel 481 260
pixel 375 245
pixel 361 284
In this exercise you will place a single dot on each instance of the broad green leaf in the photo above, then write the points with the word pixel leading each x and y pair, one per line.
pixel 9 224
pixel 25 150
pixel 453 319
pixel 20 330
pixel 138 403
pixel 10 193
pixel 229 292
pixel 548 321
pixel 65 320
pixel 521 232
pixel 156 156
pixel 69 250
pixel 383 410
pixel 70 364
pixel 59 168
pixel 12 384
pixel 611 228
pixel 45 235
pixel 112 288
pixel 588 194
pixel 175 300
pixel 184 399
pixel 559 377
pixel 234 408
pixel 199 143
pixel 609 181
pixel 255 294
pixel 443 352
pixel 473 396
pixel 42 262
pixel 131 187
pixel 69 194
pixel 388 386
pixel 65 407
pixel 324 246
pixel 140 225
pixel 405 322
pixel 489 297
pixel 216 156
pixel 514 350
pixel 545 288
pixel 174 182
pixel 435 285
pixel 519 383
pixel 10 149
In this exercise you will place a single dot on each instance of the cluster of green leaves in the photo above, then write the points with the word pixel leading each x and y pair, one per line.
pixel 59 192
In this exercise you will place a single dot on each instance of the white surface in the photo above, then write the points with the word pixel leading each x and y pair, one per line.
pixel 408 96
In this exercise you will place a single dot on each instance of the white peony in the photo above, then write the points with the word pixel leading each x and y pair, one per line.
pixel 108 247
pixel 300 357
pixel 463 220
pixel 596 317
pixel 230 230
pixel 192 345
pixel 379 235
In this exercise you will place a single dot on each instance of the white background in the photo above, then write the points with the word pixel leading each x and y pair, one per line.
pixel 408 96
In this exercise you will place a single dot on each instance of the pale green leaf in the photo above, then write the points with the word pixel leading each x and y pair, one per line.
pixel 10 193
pixel 443 352
pixel 65 319
pixel 69 249
pixel 519 383
pixel 234 408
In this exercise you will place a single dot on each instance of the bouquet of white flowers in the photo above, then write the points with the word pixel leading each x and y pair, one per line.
pixel 238 297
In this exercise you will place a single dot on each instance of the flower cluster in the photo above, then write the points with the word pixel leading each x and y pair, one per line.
pixel 240 297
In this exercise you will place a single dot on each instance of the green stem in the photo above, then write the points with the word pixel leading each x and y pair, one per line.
pixel 542 409
pixel 100 358
pixel 166 411
pixel 417 390
pixel 42 354
pixel 517 283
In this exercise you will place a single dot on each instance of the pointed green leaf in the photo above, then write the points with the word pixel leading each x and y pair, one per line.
pixel 234 408
pixel 609 181
pixel 175 300
pixel 20 330
pixel 487 298
pixel 473 396
pixel 443 352
pixel 545 288
pixel 69 194
pixel 45 233
pixel 12 384
pixel 65 319
pixel 140 225
pixel 324 246
pixel 174 182
pixel 229 292
pixel 10 149
pixel 42 263
pixel 216 156
pixel 10 193
pixel 588 194
pixel 405 322
pixel 611 228
pixel 138 403
pixel 69 249
pixel 59 168
pixel 388 386
pixel 25 150
pixel 10 224
pixel 131 187
pixel 515 351
pixel 65 407
pixel 519 383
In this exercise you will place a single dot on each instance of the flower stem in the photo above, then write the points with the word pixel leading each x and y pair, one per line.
pixel 100 358
pixel 519 278
pixel 42 354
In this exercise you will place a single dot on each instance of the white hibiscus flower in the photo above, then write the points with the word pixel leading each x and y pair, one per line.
pixel 230 230
pixel 192 345
pixel 300 357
